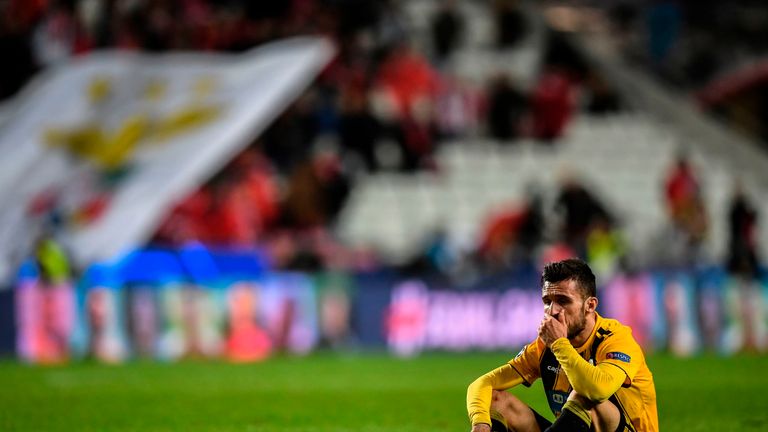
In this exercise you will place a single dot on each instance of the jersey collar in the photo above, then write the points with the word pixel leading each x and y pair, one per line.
pixel 591 338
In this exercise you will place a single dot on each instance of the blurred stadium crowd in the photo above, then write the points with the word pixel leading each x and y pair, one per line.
pixel 381 104
pixel 712 51
pixel 388 102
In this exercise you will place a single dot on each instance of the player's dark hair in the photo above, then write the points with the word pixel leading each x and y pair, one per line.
pixel 574 269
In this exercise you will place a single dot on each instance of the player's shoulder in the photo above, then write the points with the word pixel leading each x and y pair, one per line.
pixel 611 328
pixel 531 350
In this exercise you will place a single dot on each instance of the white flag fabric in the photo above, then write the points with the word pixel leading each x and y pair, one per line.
pixel 110 142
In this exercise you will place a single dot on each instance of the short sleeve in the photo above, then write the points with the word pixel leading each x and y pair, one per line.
pixel 526 363
pixel 621 350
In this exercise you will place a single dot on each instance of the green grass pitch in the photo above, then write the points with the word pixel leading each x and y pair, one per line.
pixel 333 392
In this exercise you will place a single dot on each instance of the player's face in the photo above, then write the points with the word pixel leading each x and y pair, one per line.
pixel 565 298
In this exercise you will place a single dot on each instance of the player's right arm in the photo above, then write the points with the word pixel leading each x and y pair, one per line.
pixel 480 392
pixel 523 369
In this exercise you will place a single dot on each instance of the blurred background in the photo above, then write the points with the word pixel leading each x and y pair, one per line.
pixel 226 179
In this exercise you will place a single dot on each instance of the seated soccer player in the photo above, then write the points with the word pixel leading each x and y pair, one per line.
pixel 594 373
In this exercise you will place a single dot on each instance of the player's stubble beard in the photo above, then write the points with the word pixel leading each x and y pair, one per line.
pixel 577 326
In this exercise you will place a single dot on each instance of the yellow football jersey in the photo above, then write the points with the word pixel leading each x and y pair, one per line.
pixel 610 342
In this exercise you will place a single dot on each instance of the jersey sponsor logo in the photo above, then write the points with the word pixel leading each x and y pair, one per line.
pixel 618 356
pixel 554 369
pixel 556 400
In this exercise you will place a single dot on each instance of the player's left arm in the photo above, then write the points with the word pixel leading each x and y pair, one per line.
pixel 596 383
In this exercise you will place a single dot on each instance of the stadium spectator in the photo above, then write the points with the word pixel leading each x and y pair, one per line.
pixel 552 103
pixel 512 236
pixel 52 261
pixel 601 99
pixel 56 299
pixel 435 256
pixel 231 218
pixel 581 212
pixel 447 27
pixel 316 193
pixel 256 177
pixel 511 25
pixel 236 207
pixel 742 228
pixel 288 141
pixel 359 129
pixel 744 299
pixel 457 109
pixel 506 107
pixel 410 83
pixel 594 372
pixel 605 247
pixel 685 204
pixel 54 38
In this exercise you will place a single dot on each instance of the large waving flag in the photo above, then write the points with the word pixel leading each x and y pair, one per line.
pixel 110 142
